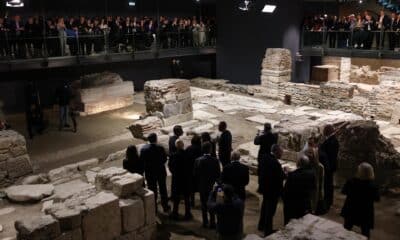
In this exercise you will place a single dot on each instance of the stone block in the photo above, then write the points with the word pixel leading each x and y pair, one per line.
pixel 396 114
pixel 132 213
pixel 68 218
pixel 127 184
pixel 149 205
pixel 75 234
pixel 63 172
pixel 103 178
pixel 148 232
pixel 140 127
pixel 324 73
pixel 29 193
pixel 68 189
pixel 177 119
pixel 88 164
pixel 38 228
pixel 102 221
pixel 19 166
pixel 18 150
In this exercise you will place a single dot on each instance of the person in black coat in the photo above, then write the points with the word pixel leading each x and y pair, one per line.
pixel 229 211
pixel 179 165
pixel 271 188
pixel 178 132
pixel 193 152
pixel 361 192
pixel 328 153
pixel 154 158
pixel 132 162
pixel 297 193
pixel 207 173
pixel 236 174
pixel 63 98
pixel 224 144
pixel 265 140
pixel 206 137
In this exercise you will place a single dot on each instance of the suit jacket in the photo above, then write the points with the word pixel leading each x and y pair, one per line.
pixel 206 172
pixel 271 177
pixel 265 141
pixel 182 177
pixel 154 158
pixel 328 153
pixel 237 175
pixel 171 144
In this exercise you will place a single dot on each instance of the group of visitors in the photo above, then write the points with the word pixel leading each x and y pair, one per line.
pixel 212 169
pixel 38 36
pixel 355 31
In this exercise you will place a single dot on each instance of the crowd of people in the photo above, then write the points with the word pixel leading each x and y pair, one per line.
pixel 354 31
pixel 210 167
pixel 37 36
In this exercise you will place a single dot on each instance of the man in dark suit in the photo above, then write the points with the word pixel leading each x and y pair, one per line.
pixel 298 191
pixel 17 37
pixel 236 174
pixel 224 144
pixel 178 132
pixel 328 154
pixel 265 139
pixel 383 24
pixel 271 188
pixel 206 172
pixel 154 158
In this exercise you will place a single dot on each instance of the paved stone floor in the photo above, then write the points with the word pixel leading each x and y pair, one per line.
pixel 102 134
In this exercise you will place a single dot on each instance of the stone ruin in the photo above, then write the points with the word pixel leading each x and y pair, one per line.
pixel 102 92
pixel 311 227
pixel 14 158
pixel 110 204
pixel 168 102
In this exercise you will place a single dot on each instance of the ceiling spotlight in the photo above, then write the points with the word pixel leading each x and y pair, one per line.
pixel 269 8
pixel 131 3
pixel 14 3
pixel 245 5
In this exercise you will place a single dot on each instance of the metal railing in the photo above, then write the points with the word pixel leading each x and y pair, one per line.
pixel 68 43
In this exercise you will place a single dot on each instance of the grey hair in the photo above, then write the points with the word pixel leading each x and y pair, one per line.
pixel 235 156
pixel 365 171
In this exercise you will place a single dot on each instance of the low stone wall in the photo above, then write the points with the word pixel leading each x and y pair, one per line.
pixel 103 92
pixel 14 158
pixel 115 207
pixel 171 98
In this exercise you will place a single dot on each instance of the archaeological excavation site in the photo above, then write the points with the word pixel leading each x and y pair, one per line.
pixel 200 120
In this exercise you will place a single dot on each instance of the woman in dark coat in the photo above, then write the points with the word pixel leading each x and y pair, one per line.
pixel 181 180
pixel 358 209
pixel 132 163
pixel 193 152
pixel 206 137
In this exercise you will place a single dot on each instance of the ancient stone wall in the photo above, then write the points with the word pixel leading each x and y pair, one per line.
pixel 14 158
pixel 171 98
pixel 102 92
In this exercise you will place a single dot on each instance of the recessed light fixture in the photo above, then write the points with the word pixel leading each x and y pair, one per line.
pixel 269 8
pixel 131 3
pixel 14 3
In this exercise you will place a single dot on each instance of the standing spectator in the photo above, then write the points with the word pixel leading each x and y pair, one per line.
pixel 229 211
pixel 63 98
pixel 62 36
pixel 154 158
pixel 4 50
pixel 369 26
pixel 178 132
pixel 298 190
pixel 33 109
pixel 382 25
pixel 332 26
pixel 271 185
pixel 328 153
pixel 132 162
pixel 17 37
pixel 392 29
pixel 206 172
pixel 358 208
pixel 206 137
pixel 236 174
pixel 224 144
pixel 265 139
pixel 182 177
pixel 193 152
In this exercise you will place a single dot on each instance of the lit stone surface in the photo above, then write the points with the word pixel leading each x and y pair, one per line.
pixel 170 97
pixel 132 213
pixel 29 193
pixel 127 184
pixel 149 205
pixel 40 227
pixel 103 178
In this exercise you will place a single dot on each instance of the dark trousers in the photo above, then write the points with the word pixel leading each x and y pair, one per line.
pixel 204 209
pixel 392 40
pixel 328 189
pixel 332 39
pixel 177 199
pixel 268 209
pixel 378 40
pixel 224 158
pixel 159 182
pixel 364 230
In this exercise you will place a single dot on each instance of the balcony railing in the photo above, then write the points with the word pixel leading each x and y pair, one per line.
pixel 70 44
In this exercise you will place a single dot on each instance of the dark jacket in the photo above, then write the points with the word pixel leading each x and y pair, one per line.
pixel 63 95
pixel 271 177
pixel 171 144
pixel 229 215
pixel 179 166
pixel 134 166
pixel 328 152
pixel 297 193
pixel 206 172
pixel 237 175
pixel 225 144
pixel 193 152
pixel 358 207
pixel 265 141
pixel 154 158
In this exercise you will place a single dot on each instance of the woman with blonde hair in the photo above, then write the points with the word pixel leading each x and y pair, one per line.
pixel 361 192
